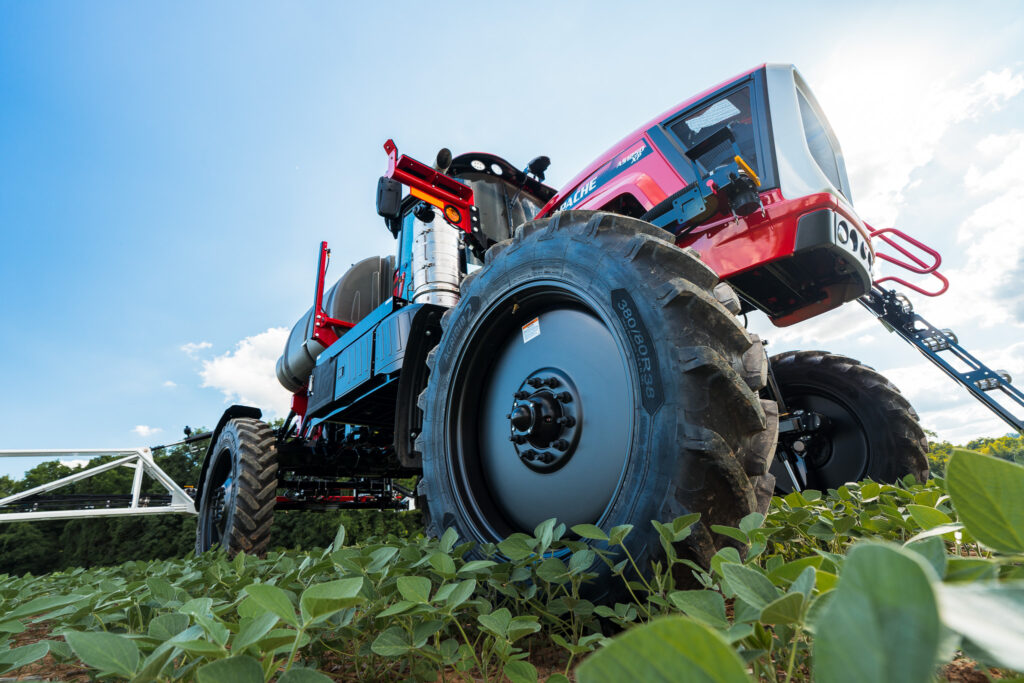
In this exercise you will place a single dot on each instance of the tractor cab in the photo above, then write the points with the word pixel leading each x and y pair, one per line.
pixel 751 176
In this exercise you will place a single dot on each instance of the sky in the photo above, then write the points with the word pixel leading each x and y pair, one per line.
pixel 167 171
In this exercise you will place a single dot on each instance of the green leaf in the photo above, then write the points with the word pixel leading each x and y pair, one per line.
pixel 520 671
pixel 22 656
pixel 40 605
pixel 581 561
pixel 108 652
pixel 398 608
pixel 933 550
pixel 424 630
pixel 239 669
pixel 869 491
pixel 552 570
pixel 462 592
pixel 393 642
pixel 788 572
pixel 296 675
pixel 321 600
pixel 728 554
pixel 750 585
pixel 885 604
pixel 706 606
pixel 945 530
pixel 443 564
pixel 497 622
pixel 784 610
pixel 202 647
pixel 991 616
pixel 274 599
pixel 166 626
pixel 670 649
pixel 928 517
pixel 987 494
pixel 804 584
pixel 516 547
pixel 380 557
pixel 197 607
pixel 414 588
pixel 751 522
pixel 619 533
pixel 970 569
pixel 155 663
pixel 339 538
pixel 448 540
pixel 252 630
pixel 731 532
pixel 12 627
pixel 476 566
pixel 590 531
pixel 544 532
pixel 522 626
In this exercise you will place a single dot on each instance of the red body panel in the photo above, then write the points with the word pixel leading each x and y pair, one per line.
pixel 728 244
pixel 631 140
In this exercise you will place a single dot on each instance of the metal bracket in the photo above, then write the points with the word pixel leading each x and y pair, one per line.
pixel 139 458
pixel 896 313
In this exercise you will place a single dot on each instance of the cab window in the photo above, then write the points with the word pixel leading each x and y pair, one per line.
pixel 732 110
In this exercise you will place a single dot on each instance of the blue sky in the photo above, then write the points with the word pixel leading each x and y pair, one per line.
pixel 167 170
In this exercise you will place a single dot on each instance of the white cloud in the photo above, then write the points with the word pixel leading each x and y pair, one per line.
pixel 169 384
pixel 192 348
pixel 247 374
pixel 986 285
pixel 914 101
pixel 74 464
pixel 145 430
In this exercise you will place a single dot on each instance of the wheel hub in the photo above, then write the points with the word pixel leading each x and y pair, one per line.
pixel 544 423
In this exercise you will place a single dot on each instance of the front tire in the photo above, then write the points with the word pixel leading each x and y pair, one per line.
pixel 240 489
pixel 872 431
pixel 591 373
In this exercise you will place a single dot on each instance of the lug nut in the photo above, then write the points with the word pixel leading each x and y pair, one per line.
pixel 529 455
pixel 547 458
pixel 561 444
pixel 535 382
pixel 551 382
pixel 517 438
pixel 520 395
pixel 566 421
pixel 564 397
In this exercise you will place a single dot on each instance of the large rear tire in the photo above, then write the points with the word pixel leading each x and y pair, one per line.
pixel 240 489
pixel 872 430
pixel 592 373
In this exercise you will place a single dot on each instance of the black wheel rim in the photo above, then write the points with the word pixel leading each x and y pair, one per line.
pixel 574 372
pixel 839 452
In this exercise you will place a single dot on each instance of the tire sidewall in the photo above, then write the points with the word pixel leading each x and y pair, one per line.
pixel 226 447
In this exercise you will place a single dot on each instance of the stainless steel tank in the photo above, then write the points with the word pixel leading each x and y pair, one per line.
pixel 360 290
pixel 435 263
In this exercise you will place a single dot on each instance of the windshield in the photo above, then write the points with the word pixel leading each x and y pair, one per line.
pixel 732 110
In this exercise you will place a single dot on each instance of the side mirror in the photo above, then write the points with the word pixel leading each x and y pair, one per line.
pixel 538 166
pixel 389 198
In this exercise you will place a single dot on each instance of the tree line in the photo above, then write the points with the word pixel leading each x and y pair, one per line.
pixel 40 547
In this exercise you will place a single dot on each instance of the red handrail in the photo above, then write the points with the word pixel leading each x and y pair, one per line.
pixel 921 267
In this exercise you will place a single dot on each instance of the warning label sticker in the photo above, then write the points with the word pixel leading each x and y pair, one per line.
pixel 531 330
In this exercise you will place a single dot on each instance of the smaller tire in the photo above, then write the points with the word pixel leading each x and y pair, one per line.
pixel 872 431
pixel 240 489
